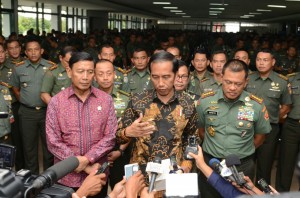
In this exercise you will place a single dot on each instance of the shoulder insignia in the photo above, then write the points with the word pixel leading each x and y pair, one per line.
pixel 53 67
pixel 283 77
pixel 127 71
pixel 50 62
pixel 20 63
pixel 208 94
pixel 5 84
pixel 124 93
pixel 290 75
pixel 204 79
pixel 257 99
pixel 121 70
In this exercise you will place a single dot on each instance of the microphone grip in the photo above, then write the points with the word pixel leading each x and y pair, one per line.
pixel 152 181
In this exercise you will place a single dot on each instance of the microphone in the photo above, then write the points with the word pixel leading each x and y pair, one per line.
pixel 231 161
pixel 225 172
pixel 154 169
pixel 55 172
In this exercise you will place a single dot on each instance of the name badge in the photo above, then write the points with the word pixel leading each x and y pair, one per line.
pixel 212 112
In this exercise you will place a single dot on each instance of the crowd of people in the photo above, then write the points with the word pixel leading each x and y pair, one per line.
pixel 129 97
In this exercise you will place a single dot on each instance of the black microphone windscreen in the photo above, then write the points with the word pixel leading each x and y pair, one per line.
pixel 65 167
pixel 232 160
pixel 157 159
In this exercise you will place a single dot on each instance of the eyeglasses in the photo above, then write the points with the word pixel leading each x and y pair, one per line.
pixel 183 77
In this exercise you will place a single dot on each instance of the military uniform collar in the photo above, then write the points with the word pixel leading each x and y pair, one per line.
pixel 134 70
pixel 114 92
pixel 61 67
pixel 244 97
pixel 42 62
pixel 4 65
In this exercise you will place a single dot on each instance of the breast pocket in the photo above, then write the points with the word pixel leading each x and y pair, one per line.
pixel 24 78
pixel 211 125
pixel 273 94
pixel 133 85
pixel 245 127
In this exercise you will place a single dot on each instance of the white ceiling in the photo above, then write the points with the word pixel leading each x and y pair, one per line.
pixel 197 9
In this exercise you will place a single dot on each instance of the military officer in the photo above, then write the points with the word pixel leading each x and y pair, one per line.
pixel 274 89
pixel 107 52
pixel 241 132
pixel 200 62
pixel 56 78
pixel 290 139
pixel 27 81
pixel 104 75
pixel 218 59
pixel 139 75
pixel 13 49
pixel 6 116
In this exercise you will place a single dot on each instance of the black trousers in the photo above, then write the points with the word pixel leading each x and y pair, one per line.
pixel 265 154
pixel 207 191
pixel 32 125
pixel 289 150
pixel 17 138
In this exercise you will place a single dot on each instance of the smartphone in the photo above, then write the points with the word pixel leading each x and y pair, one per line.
pixel 264 185
pixel 130 169
pixel 103 168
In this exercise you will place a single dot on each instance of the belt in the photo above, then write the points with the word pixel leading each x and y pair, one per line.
pixel 36 108
pixel 292 119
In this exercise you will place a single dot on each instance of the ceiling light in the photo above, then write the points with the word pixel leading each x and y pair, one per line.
pixel 218 4
pixel 186 16
pixel 254 13
pixel 244 17
pixel 215 11
pixel 217 8
pixel 212 14
pixel 249 15
pixel 175 10
pixel 180 13
pixel 292 0
pixel 170 7
pixel 161 3
pixel 276 6
pixel 263 10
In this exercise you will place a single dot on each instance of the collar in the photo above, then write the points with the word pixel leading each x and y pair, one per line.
pixel 271 75
pixel 61 68
pixel 172 99
pixel 4 65
pixel 134 70
pixel 92 92
pixel 114 92
pixel 42 62
pixel 244 97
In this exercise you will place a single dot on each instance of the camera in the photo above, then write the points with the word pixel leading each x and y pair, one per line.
pixel 130 169
pixel 191 147
pixel 264 185
pixel 16 184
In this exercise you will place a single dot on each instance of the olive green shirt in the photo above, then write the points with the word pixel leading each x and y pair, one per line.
pixel 137 81
pixel 274 90
pixel 209 84
pixel 5 106
pixel 294 79
pixel 121 99
pixel 230 126
pixel 195 81
pixel 5 75
pixel 28 78
pixel 55 80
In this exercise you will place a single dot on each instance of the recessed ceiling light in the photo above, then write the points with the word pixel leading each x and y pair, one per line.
pixel 276 6
pixel 244 17
pixel 212 14
pixel 186 16
pixel 254 13
pixel 219 4
pixel 263 10
pixel 249 15
pixel 217 8
pixel 292 0
pixel 170 7
pixel 180 13
pixel 175 10
pixel 161 3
